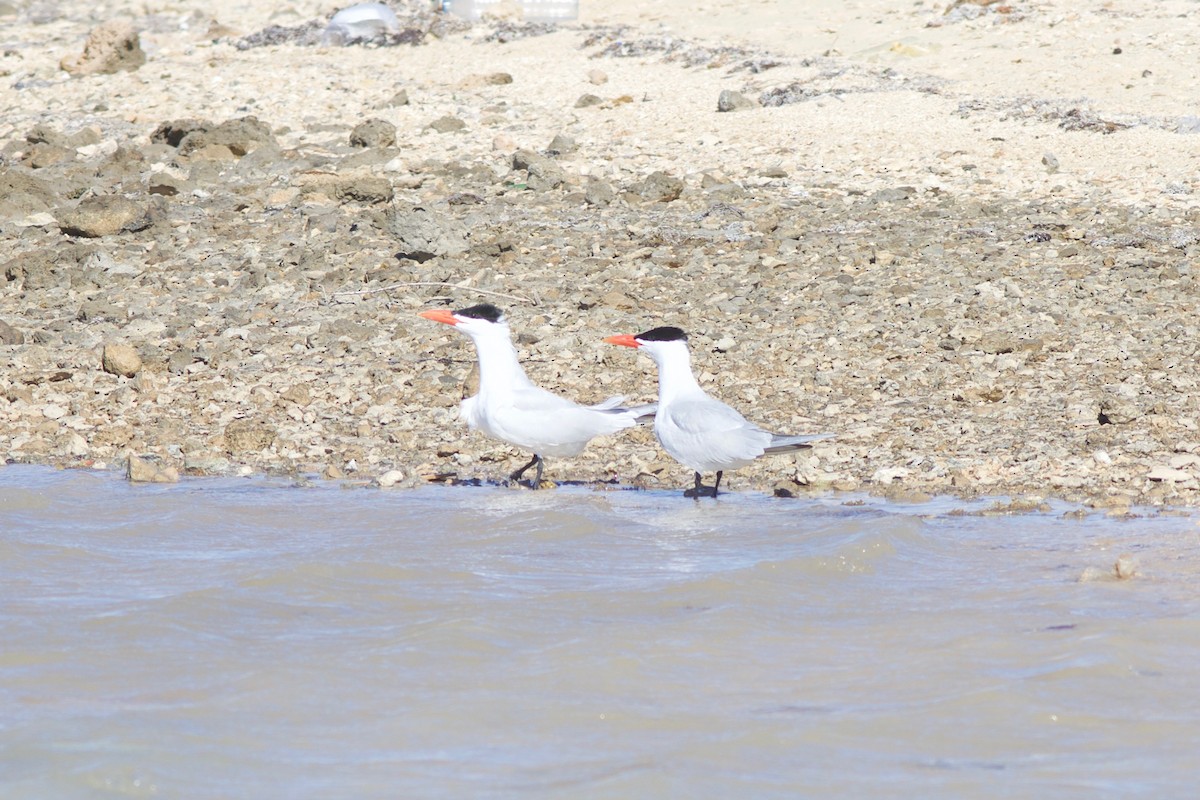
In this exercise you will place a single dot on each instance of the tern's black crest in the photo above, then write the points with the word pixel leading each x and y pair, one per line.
pixel 482 311
pixel 664 334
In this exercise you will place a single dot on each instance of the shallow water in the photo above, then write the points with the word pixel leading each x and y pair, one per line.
pixel 246 638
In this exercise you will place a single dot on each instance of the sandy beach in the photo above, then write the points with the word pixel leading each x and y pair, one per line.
pixel 960 238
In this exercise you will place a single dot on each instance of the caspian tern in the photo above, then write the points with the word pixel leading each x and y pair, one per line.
pixel 509 407
pixel 696 429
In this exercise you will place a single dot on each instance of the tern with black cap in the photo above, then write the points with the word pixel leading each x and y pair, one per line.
pixel 509 407
pixel 696 429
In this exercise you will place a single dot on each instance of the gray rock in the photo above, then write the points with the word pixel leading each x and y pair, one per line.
pixel 99 309
pixel 36 270
pixel 168 185
pixel 206 464
pixel 297 393
pixel 400 98
pixel 40 156
pixel 10 335
pixel 723 192
pixel 83 137
pixel 42 133
pixel 599 193
pixel 588 100
pixel 562 144
pixel 125 166
pixel 367 158
pixel 998 343
pixel 1116 410
pixel 22 193
pixel 365 189
pixel 543 173
pixel 447 124
pixel 1050 161
pixel 373 133
pixel 660 187
pixel 180 360
pixel 423 234
pixel 103 216
pixel 175 131
pixel 241 136
pixel 734 101
pixel 897 194
pixel 45 134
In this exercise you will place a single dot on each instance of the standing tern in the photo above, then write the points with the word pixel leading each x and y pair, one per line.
pixel 697 430
pixel 509 407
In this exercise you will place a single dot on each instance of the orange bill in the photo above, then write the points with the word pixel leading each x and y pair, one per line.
pixel 443 315
pixel 625 340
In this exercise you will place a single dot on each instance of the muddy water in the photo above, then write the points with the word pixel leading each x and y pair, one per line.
pixel 247 638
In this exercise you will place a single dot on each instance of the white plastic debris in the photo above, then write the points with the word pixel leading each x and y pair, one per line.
pixel 361 22
pixel 520 10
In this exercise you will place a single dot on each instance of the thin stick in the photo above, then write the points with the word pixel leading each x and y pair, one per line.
pixel 437 283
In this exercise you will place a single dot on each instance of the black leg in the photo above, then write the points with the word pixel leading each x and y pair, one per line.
pixel 516 476
pixel 537 481
pixel 718 483
pixel 697 489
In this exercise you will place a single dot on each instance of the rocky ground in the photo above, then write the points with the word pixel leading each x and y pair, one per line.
pixel 213 249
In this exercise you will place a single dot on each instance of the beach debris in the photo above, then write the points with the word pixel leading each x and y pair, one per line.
pixel 363 22
pixel 371 24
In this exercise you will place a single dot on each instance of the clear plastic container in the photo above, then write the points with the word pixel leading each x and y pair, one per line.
pixel 362 22
pixel 527 10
